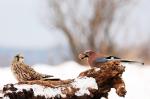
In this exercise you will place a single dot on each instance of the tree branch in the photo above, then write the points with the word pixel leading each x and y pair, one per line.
pixel 91 84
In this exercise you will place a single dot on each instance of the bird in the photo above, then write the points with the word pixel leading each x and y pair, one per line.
pixel 24 72
pixel 95 60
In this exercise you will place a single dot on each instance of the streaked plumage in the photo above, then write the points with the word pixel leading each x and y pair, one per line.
pixel 24 72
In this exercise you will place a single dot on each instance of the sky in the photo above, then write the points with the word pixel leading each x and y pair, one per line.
pixel 135 26
pixel 21 25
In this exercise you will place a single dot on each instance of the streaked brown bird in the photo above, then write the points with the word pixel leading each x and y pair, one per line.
pixel 24 72
pixel 95 60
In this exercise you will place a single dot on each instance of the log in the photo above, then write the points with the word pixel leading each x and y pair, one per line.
pixel 94 83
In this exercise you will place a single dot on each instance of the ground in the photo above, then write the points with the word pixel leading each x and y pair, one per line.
pixel 136 77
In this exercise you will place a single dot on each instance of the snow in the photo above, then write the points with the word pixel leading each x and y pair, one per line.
pixel 6 98
pixel 84 84
pixel 6 77
pixel 66 70
pixel 1 95
pixel 97 69
pixel 21 26
pixel 40 90
pixel 137 78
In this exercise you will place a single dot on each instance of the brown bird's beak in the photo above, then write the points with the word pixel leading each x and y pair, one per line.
pixel 83 56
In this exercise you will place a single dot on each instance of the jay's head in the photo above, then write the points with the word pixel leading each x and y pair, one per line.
pixel 86 54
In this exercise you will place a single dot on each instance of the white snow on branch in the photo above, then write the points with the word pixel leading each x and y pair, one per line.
pixel 84 84
pixel 6 97
pixel 1 94
pixel 41 90
pixel 97 69
pixel 81 83
pixel 134 77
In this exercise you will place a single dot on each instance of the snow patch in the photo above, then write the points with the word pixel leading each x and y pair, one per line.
pixel 84 83
pixel 1 94
pixel 67 70
pixel 97 69
pixel 136 78
pixel 6 77
pixel 6 97
pixel 40 90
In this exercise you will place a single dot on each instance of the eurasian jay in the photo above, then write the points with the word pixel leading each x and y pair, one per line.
pixel 95 60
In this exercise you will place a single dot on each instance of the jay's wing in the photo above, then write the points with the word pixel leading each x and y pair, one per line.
pixel 105 59
pixel 112 57
pixel 101 60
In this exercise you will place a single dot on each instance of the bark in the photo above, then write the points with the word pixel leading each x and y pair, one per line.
pixel 97 83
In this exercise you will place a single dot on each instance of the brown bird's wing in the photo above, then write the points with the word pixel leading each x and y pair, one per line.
pixel 43 76
pixel 34 74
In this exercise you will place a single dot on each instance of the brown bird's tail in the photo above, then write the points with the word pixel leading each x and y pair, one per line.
pixel 134 62
pixel 52 79
pixel 46 76
pixel 49 77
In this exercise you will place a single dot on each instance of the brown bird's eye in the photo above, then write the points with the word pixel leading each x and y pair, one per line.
pixel 17 56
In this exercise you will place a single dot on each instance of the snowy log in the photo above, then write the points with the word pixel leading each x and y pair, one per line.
pixel 91 84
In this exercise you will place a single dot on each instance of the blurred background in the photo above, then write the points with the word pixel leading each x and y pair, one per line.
pixel 56 31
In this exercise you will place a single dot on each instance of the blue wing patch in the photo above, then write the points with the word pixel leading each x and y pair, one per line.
pixel 112 57
pixel 105 59
pixel 101 60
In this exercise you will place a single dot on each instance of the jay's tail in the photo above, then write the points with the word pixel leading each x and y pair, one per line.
pixel 122 60
pixel 134 62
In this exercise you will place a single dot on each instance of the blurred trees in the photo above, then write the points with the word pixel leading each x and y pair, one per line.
pixel 87 26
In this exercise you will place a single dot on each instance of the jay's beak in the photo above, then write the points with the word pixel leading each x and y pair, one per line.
pixel 83 56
